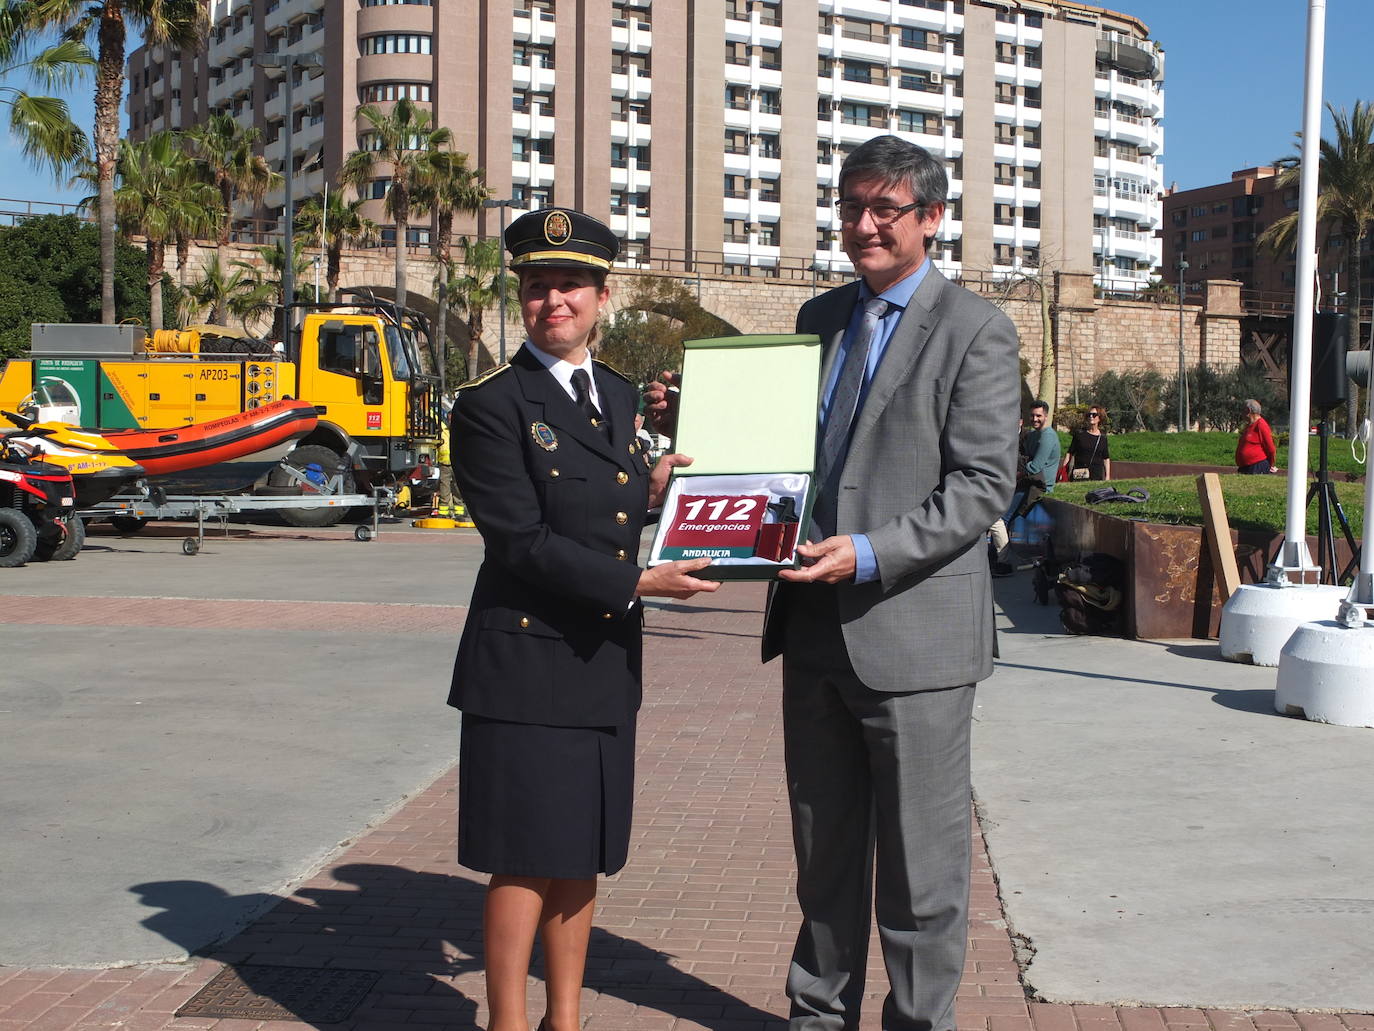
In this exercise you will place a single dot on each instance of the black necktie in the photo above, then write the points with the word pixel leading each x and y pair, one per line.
pixel 844 404
pixel 582 390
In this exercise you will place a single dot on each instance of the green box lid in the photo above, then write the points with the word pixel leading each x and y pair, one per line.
pixel 749 403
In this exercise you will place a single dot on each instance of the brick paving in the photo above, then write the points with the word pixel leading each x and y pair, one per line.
pixel 693 935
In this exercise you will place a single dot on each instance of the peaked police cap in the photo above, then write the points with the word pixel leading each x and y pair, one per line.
pixel 561 238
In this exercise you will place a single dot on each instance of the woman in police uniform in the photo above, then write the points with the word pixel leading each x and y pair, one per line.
pixel 548 670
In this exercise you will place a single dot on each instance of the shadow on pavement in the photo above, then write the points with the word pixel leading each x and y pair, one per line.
pixel 1258 701
pixel 419 930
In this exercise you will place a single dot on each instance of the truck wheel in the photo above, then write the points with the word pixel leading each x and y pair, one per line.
pixel 17 538
pixel 62 547
pixel 329 463
pixel 128 524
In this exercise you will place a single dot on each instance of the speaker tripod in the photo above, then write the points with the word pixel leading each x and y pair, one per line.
pixel 1324 491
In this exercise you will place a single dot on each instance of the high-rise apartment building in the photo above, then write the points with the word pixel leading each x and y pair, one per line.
pixel 1216 230
pixel 717 128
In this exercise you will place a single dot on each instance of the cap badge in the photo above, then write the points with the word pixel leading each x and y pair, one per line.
pixel 543 436
pixel 557 228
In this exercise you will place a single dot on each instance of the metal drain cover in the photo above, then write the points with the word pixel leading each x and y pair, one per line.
pixel 323 995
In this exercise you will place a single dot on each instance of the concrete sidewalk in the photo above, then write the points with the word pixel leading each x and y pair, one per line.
pixel 1102 768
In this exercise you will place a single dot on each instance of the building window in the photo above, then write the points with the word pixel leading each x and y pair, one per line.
pixel 863 114
pixel 737 187
pixel 770 146
pixel 770 102
pixel 640 109
pixel 919 39
pixel 918 121
pixel 736 53
pixel 736 142
pixel 769 191
pixel 398 43
pixel 770 58
pixel 863 71
pixel 737 98
pixel 736 230
pixel 1002 214
pixel 768 234
pixel 1003 174
pixel 381 92
pixel 376 189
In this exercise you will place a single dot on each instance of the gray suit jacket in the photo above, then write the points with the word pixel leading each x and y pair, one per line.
pixel 931 465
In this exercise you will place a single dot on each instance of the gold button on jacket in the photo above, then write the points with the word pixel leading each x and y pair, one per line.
pixel 622 477
pixel 621 518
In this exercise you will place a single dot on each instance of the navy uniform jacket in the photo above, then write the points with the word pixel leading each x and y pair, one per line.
pixel 553 629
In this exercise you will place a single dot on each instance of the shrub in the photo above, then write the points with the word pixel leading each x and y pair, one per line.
pixel 1134 399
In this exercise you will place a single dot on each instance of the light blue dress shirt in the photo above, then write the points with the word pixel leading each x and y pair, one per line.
pixel 898 297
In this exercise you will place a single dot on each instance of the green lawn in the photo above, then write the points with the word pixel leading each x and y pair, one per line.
pixel 1213 449
pixel 1252 502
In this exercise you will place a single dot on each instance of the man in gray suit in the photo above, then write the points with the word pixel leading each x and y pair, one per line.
pixel 890 624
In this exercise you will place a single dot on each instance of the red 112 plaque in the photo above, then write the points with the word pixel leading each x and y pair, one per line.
pixel 715 526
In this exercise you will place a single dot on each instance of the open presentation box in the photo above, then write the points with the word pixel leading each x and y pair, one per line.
pixel 747 416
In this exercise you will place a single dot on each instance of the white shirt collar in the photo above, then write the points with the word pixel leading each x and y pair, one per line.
pixel 563 370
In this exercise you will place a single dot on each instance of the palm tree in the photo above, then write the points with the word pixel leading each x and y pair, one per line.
pixel 472 293
pixel 406 139
pixel 447 188
pixel 179 24
pixel 224 293
pixel 339 223
pixel 225 150
pixel 1345 201
pixel 159 196
pixel 266 275
pixel 42 124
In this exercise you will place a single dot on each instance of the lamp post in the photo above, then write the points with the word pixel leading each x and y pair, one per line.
pixel 504 203
pixel 1183 413
pixel 289 62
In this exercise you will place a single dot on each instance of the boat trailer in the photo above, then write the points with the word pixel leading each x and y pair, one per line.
pixel 136 508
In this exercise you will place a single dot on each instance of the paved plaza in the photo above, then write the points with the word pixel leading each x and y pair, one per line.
pixel 243 759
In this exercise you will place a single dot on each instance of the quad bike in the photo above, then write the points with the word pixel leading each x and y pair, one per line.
pixel 37 511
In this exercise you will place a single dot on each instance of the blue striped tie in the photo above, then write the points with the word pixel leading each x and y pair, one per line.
pixel 844 405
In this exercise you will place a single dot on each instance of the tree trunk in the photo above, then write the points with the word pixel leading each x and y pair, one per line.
pixel 183 258
pixel 474 342
pixel 1049 377
pixel 402 212
pixel 226 196
pixel 441 330
pixel 109 85
pixel 157 250
pixel 331 270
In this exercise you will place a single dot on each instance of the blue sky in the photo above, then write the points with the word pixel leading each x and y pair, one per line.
pixel 1233 92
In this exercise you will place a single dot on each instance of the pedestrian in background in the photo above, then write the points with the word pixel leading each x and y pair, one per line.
pixel 1089 456
pixel 1255 453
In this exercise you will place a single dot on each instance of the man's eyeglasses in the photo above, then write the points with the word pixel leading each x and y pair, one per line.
pixel 851 211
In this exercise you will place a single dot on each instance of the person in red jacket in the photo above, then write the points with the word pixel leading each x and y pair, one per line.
pixel 1255 450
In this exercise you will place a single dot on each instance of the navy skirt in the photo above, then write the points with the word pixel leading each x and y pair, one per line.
pixel 539 801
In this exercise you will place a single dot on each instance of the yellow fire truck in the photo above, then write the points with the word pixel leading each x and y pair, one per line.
pixel 358 363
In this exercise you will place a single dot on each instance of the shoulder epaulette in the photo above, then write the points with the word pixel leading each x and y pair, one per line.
pixel 612 369
pixel 490 374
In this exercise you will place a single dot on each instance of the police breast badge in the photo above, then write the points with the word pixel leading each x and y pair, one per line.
pixel 543 436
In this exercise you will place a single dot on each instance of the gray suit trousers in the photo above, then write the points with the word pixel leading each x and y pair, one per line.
pixel 874 774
